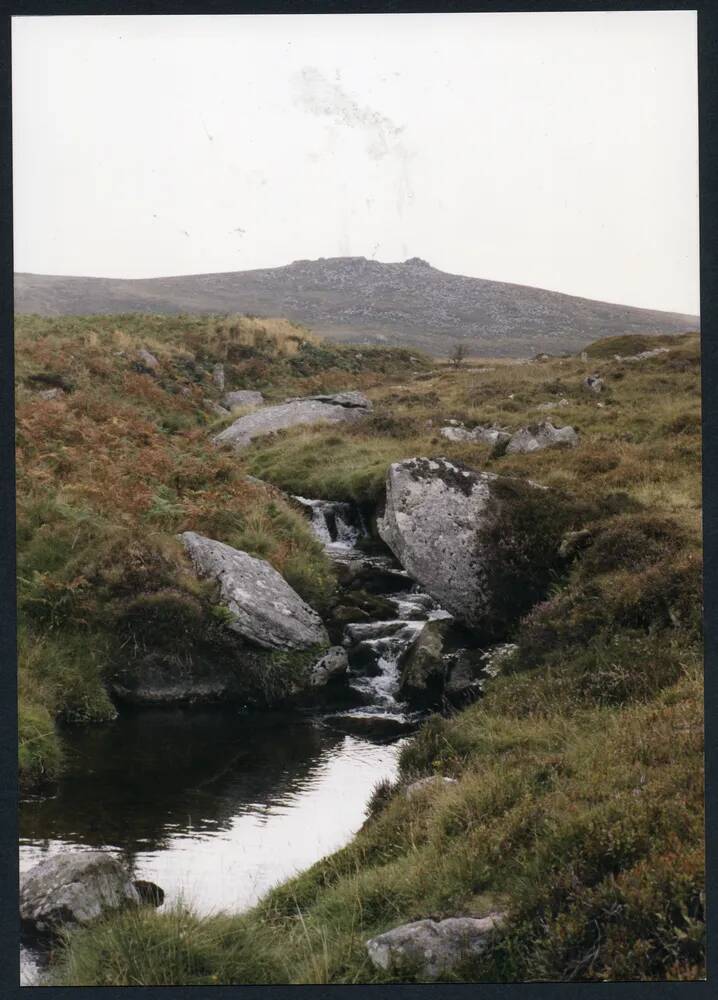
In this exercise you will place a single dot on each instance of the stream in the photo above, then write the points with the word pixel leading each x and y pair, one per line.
pixel 216 804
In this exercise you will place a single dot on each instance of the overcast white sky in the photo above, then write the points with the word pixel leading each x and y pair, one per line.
pixel 557 150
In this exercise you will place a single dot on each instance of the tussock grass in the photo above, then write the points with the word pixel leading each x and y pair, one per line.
pixel 578 806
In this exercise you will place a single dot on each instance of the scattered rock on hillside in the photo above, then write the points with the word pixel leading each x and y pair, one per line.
pixel 262 605
pixel 423 784
pixel 552 404
pixel 429 949
pixel 55 393
pixel 289 414
pixel 494 436
pixel 148 360
pixel 434 520
pixel 535 437
pixel 242 397
pixel 333 664
pixel 593 383
pixel 643 355
pixel 219 411
pixel 74 888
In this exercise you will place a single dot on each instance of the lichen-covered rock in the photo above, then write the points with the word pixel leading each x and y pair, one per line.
pixel 242 397
pixel 428 949
pixel 74 889
pixel 494 436
pixel 290 414
pixel 329 667
pixel 352 399
pixel 481 545
pixel 423 665
pixel 539 436
pixel 261 605
pixel 593 383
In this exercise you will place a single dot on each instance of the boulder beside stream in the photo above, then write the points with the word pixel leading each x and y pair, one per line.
pixel 75 888
pixel 261 605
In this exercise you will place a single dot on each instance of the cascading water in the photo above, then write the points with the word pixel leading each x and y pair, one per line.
pixel 375 648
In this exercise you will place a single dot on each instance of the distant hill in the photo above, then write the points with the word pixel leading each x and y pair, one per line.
pixel 410 304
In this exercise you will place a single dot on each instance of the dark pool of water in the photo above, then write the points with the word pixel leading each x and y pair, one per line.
pixel 214 805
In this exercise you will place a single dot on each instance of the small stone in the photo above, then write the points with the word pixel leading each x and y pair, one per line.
pixel 147 359
pixel 429 949
pixel 593 383
pixel 430 781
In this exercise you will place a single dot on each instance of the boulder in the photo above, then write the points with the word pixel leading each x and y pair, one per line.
pixel 332 665
pixel 219 411
pixel 593 383
pixel 440 520
pixel 290 414
pixel 242 397
pixel 351 398
pixel 536 437
pixel 424 784
pixel 494 436
pixel 463 675
pixel 262 606
pixel 75 889
pixel 147 360
pixel 429 949
pixel 423 665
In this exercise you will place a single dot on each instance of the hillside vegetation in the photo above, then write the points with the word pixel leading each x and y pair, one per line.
pixel 578 804
pixel 410 304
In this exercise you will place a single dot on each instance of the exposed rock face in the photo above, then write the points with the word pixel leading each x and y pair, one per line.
pixel 74 888
pixel 430 950
pixel 262 605
pixel 351 398
pixel 593 383
pixel 436 519
pixel 539 436
pixel 242 397
pixel 643 355
pixel 333 664
pixel 289 414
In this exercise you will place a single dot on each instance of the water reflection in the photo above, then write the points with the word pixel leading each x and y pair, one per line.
pixel 213 805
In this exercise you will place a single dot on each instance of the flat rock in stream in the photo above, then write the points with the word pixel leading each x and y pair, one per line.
pixel 311 410
pixel 74 888
pixel 429 949
pixel 451 528
pixel 262 606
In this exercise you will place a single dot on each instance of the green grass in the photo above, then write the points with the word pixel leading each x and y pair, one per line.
pixel 578 806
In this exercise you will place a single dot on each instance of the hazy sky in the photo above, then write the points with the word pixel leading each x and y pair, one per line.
pixel 557 150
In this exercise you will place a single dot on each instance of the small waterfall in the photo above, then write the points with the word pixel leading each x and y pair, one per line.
pixel 337 525
pixel 375 652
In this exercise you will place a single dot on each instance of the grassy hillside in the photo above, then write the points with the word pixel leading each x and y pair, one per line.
pixel 410 304
pixel 578 806
pixel 119 462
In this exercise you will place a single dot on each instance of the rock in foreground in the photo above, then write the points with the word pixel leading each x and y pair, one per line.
pixel 343 407
pixel 74 889
pixel 262 606
pixel 430 950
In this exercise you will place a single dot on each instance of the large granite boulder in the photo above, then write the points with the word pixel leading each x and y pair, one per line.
pixel 428 949
pixel 262 606
pixel 75 889
pixel 340 408
pixel 481 545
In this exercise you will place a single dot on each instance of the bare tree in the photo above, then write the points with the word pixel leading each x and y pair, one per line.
pixel 458 355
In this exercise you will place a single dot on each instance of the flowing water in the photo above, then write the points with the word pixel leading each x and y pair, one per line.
pixel 217 805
